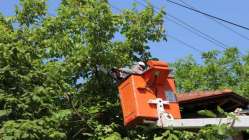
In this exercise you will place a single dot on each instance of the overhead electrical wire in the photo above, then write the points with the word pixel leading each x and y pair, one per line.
pixel 198 32
pixel 220 23
pixel 184 43
pixel 190 28
pixel 174 38
pixel 203 13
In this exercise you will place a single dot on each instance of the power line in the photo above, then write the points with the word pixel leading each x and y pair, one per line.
pixel 192 29
pixel 184 43
pixel 198 32
pixel 220 23
pixel 170 36
pixel 198 11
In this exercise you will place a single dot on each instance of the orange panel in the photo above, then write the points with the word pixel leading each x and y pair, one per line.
pixel 137 90
pixel 128 102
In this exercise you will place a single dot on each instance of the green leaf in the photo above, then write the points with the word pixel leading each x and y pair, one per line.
pixel 4 112
pixel 207 113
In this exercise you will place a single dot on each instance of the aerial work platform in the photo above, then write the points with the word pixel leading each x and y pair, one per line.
pixel 137 90
pixel 150 97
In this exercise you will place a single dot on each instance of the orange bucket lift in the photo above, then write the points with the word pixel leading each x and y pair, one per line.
pixel 150 98
pixel 143 95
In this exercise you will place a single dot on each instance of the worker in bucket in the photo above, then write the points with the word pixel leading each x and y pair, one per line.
pixel 122 73
pixel 138 68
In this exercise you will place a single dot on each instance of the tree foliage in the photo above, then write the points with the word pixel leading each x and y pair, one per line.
pixel 219 70
pixel 53 78
pixel 52 82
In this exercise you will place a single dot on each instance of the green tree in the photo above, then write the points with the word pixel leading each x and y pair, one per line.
pixel 43 57
pixel 219 70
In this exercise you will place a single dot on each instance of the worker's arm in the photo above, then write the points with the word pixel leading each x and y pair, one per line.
pixel 126 70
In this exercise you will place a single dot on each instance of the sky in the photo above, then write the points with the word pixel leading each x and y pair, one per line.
pixel 172 50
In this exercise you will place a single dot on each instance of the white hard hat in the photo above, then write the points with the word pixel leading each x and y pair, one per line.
pixel 141 63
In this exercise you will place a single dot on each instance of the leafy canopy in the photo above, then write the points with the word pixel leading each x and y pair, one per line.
pixel 53 79
pixel 219 70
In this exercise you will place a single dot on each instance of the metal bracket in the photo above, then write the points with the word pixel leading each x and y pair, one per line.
pixel 161 113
